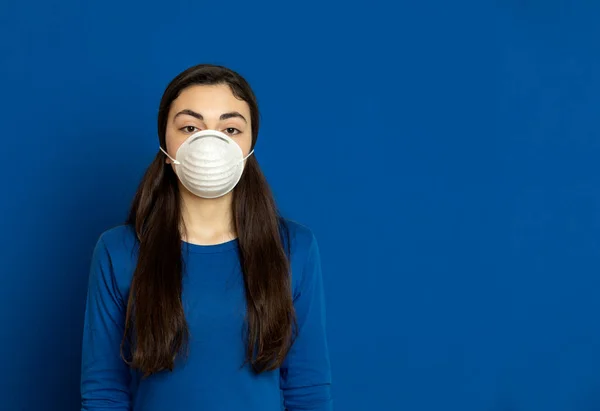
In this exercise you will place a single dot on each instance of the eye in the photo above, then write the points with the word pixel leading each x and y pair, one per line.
pixel 189 129
pixel 232 131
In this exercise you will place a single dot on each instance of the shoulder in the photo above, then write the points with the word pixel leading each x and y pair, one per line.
pixel 304 254
pixel 119 246
pixel 119 239
pixel 299 237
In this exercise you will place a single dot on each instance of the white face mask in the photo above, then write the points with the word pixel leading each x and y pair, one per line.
pixel 209 163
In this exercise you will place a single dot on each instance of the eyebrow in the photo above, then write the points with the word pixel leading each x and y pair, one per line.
pixel 224 116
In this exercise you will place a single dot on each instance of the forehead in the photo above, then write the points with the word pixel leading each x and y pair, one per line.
pixel 212 100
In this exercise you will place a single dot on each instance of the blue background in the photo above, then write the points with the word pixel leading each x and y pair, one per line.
pixel 444 153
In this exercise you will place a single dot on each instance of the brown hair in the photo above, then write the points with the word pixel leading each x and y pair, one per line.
pixel 156 330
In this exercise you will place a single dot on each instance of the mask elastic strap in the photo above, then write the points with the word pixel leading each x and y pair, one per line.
pixel 249 154
pixel 171 158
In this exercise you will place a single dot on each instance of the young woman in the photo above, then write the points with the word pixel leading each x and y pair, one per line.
pixel 206 299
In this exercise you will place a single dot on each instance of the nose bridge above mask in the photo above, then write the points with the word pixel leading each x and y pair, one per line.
pixel 200 137
pixel 233 149
pixel 211 144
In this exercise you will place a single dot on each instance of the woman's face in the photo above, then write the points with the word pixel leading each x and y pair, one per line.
pixel 211 107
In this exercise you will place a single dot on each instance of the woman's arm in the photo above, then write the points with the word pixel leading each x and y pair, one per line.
pixel 104 375
pixel 305 374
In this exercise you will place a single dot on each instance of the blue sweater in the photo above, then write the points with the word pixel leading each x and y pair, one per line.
pixel 211 378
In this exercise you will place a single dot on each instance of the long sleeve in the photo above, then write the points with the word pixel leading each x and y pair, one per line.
pixel 305 376
pixel 104 375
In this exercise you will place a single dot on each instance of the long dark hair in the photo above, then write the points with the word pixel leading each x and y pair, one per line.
pixel 156 331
